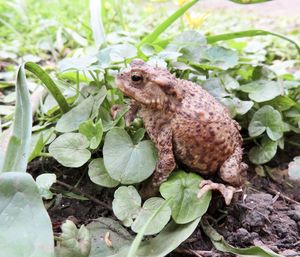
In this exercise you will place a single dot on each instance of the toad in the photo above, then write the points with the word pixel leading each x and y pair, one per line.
pixel 185 123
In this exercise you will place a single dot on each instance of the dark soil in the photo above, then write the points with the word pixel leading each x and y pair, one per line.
pixel 266 213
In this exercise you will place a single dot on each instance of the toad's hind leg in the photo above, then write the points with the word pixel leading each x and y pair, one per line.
pixel 232 171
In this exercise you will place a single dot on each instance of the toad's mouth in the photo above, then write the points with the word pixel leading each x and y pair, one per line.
pixel 149 101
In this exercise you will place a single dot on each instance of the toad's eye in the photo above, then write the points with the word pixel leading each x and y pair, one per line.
pixel 136 78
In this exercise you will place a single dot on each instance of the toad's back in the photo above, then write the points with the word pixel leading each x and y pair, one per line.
pixel 204 135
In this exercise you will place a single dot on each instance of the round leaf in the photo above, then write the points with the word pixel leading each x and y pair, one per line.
pixel 70 150
pixel 267 119
pixel 98 174
pixel 262 90
pixel 264 152
pixel 126 204
pixel 182 189
pixel 158 223
pixel 44 182
pixel 126 162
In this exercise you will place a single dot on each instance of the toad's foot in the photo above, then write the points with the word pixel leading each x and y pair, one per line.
pixel 226 191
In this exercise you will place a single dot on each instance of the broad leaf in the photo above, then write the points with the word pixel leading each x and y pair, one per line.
pixel 264 152
pixel 71 120
pixel 158 223
pixel 126 204
pixel 44 182
pixel 93 132
pixel 267 119
pixel 181 189
pixel 262 90
pixel 25 224
pixel 99 175
pixel 70 149
pixel 126 162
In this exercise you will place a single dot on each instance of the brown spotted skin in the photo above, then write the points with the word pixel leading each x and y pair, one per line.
pixel 185 122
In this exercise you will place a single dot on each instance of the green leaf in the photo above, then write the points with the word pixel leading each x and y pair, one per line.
pixel 74 242
pixel 71 120
pixel 78 64
pixel 92 131
pixel 215 88
pixel 138 135
pixel 50 85
pixel 190 44
pixel 126 162
pixel 99 175
pixel 282 103
pixel 38 142
pixel 221 245
pixel 166 23
pixel 119 237
pixel 138 239
pixel 181 189
pixel 221 57
pixel 158 223
pixel 266 119
pixel 127 208
pixel 17 151
pixel 25 225
pixel 44 182
pixel 126 204
pixel 262 90
pixel 264 152
pixel 70 150
pixel 167 240
pixel 248 33
pixel 294 168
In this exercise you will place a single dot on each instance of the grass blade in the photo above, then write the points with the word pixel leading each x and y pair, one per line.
pixel 18 147
pixel 166 23
pixel 138 239
pixel 248 33
pixel 50 85
pixel 96 22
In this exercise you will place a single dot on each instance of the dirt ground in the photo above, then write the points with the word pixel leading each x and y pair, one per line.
pixel 266 213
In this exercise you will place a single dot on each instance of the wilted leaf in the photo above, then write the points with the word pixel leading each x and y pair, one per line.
pixel 71 120
pixel 70 149
pixel 119 237
pixel 264 152
pixel 99 175
pixel 126 162
pixel 74 242
pixel 266 119
pixel 25 225
pixel 182 188
pixel 44 182
pixel 221 245
pixel 294 168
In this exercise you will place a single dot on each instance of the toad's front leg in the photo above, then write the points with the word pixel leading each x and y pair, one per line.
pixel 165 163
pixel 132 112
